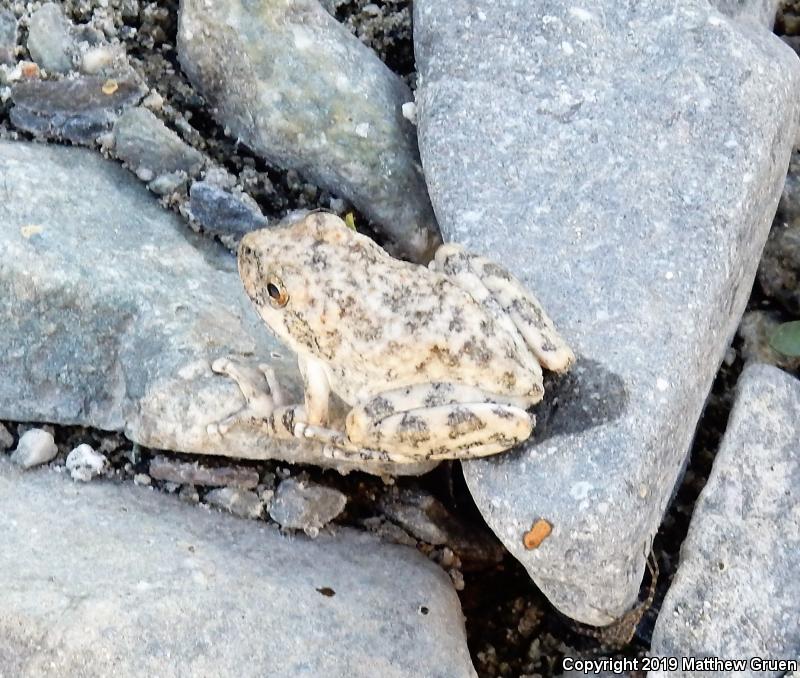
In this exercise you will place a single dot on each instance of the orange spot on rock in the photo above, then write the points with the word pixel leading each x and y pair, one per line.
pixel 540 530
pixel 110 86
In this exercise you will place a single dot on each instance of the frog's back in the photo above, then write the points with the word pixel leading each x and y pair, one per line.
pixel 382 323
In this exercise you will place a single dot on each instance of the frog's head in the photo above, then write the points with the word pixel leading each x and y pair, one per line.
pixel 286 271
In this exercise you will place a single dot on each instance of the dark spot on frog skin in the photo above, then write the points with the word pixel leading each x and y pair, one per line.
pixel 503 413
pixel 457 321
pixel 496 271
pixel 413 430
pixel 509 380
pixel 440 394
pixel 462 421
pixel 378 408
pixel 477 350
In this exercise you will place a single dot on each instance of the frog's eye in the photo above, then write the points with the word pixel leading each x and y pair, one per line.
pixel 278 296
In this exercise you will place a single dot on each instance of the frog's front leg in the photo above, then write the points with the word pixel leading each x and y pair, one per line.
pixel 438 421
pixel 264 408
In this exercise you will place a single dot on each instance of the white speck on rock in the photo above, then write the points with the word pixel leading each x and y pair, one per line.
pixel 581 14
pixel 362 130
pixel 662 384
pixel 580 490
pixel 83 463
pixel 35 447
pixel 567 48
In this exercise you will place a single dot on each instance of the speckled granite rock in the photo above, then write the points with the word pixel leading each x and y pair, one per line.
pixel 289 81
pixel 78 110
pixel 625 162
pixel 111 311
pixel 100 580
pixel 735 593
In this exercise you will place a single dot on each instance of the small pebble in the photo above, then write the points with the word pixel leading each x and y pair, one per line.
pixel 49 41
pixel 189 494
pixel 242 503
pixel 305 506
pixel 35 447
pixel 83 463
pixel 96 59
pixel 6 439
pixel 195 473
pixel 142 479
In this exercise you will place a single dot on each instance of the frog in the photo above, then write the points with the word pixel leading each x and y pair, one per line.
pixel 432 362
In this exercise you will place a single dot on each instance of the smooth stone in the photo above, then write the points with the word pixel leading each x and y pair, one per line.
pixel 111 311
pixel 8 37
pixel 84 463
pixel 242 503
pixel 35 447
pixel 179 591
pixel 305 505
pixel 143 142
pixel 628 175
pixel 50 41
pixel 285 78
pixel 219 211
pixel 77 110
pixel 735 593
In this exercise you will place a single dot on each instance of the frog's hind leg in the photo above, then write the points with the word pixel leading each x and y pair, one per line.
pixel 438 421
pixel 489 282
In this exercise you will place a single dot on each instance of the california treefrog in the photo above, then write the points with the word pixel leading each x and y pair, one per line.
pixel 434 363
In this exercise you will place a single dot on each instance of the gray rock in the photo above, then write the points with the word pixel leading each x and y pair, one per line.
pixel 196 593
pixel 50 41
pixel 735 593
pixel 35 447
pixel 8 37
pixel 219 211
pixel 625 162
pixel 242 503
pixel 779 269
pixel 111 311
pixel 143 142
pixel 759 12
pixel 425 517
pixel 756 330
pixel 293 84
pixel 84 463
pixel 77 110
pixel 305 505
pixel 182 472
pixel 6 439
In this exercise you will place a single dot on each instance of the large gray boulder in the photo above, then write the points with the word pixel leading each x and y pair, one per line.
pixel 111 311
pixel 625 161
pixel 101 580
pixel 735 593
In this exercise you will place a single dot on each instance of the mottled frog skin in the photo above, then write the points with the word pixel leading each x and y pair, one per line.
pixel 438 362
